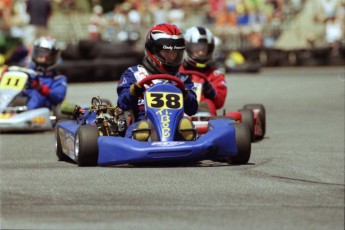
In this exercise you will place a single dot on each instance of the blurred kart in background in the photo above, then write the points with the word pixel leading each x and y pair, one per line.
pixel 253 115
pixel 96 135
pixel 233 61
pixel 14 115
pixel 254 59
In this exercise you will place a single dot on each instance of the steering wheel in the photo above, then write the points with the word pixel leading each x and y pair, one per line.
pixel 148 80
pixel 96 101
pixel 193 72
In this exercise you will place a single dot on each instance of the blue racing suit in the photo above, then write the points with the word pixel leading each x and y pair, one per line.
pixel 51 91
pixel 126 101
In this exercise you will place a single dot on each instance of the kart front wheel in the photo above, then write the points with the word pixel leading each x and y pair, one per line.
pixel 86 146
pixel 248 119
pixel 58 147
pixel 243 142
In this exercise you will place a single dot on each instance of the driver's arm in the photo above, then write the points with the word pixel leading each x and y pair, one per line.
pixel 190 103
pixel 125 100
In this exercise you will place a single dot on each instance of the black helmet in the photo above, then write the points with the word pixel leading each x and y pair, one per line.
pixel 45 52
pixel 199 46
pixel 164 48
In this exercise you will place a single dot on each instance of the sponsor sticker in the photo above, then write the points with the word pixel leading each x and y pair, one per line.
pixel 168 143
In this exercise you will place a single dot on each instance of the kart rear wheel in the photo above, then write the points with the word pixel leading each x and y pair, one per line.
pixel 248 119
pixel 243 142
pixel 261 116
pixel 58 147
pixel 86 146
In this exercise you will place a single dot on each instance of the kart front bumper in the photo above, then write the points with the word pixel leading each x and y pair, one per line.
pixel 216 144
pixel 38 119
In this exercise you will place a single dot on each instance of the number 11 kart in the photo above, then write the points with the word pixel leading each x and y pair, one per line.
pixel 14 115
pixel 96 136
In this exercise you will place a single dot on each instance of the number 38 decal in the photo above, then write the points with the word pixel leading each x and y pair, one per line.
pixel 160 100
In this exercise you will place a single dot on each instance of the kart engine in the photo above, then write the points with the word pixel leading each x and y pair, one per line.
pixel 108 118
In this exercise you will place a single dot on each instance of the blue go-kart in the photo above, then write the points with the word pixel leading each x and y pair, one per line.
pixel 97 134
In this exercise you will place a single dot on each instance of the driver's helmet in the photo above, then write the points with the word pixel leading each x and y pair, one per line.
pixel 199 46
pixel 45 52
pixel 164 48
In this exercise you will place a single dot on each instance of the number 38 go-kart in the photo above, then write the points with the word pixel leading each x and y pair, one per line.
pixel 96 136
pixel 14 115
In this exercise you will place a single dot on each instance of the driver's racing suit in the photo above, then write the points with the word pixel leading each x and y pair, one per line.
pixel 216 78
pixel 126 101
pixel 52 90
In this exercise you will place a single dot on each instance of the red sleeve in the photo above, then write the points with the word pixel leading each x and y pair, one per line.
pixel 217 79
pixel 44 90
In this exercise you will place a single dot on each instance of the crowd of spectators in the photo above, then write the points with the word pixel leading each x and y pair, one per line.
pixel 332 16
pixel 237 23
pixel 25 19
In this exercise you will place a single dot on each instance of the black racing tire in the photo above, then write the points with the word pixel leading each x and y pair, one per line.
pixel 262 117
pixel 78 70
pixel 58 147
pixel 107 50
pixel 89 49
pixel 243 142
pixel 86 145
pixel 71 52
pixel 248 119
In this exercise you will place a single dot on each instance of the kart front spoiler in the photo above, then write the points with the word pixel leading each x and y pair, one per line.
pixel 31 120
pixel 216 144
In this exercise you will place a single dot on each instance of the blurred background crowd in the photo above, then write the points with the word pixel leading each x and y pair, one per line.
pixel 238 24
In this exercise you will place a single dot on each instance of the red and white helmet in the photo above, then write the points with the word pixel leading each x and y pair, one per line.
pixel 164 48
pixel 199 46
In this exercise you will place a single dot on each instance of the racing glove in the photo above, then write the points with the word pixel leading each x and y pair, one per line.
pixel 208 90
pixel 185 94
pixel 136 90
pixel 43 89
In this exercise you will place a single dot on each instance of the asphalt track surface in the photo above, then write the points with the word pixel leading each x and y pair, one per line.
pixel 295 178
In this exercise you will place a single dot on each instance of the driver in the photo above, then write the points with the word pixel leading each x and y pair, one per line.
pixel 164 49
pixel 199 48
pixel 47 87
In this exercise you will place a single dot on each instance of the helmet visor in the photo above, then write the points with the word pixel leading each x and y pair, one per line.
pixel 44 56
pixel 170 57
pixel 200 52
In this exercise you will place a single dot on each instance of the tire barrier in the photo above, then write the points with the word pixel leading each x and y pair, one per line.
pixel 97 60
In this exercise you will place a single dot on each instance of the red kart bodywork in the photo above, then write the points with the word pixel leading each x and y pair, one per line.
pixel 258 129
pixel 256 119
